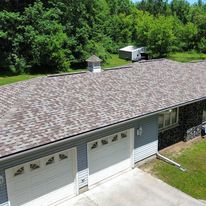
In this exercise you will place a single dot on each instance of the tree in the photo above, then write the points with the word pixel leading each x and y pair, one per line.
pixel 198 17
pixel 189 36
pixel 18 5
pixel 10 60
pixel 155 33
pixel 154 7
pixel 120 6
pixel 34 41
pixel 181 9
pixel 85 23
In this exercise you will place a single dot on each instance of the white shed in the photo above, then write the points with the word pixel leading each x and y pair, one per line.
pixel 133 53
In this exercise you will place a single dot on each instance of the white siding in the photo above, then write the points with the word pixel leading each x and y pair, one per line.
pixel 146 145
pixel 145 151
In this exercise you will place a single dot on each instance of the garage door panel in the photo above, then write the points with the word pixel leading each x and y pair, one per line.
pixel 109 159
pixel 121 165
pixel 36 192
pixel 45 185
pixel 109 162
pixel 112 149
pixel 18 186
pixel 109 171
pixel 21 199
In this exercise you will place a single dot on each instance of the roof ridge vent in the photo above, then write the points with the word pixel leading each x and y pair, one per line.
pixel 94 64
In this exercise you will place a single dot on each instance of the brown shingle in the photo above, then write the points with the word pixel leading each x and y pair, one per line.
pixel 47 109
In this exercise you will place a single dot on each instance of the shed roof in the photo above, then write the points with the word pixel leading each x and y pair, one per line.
pixel 47 109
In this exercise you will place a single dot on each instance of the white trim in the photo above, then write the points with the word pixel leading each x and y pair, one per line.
pixel 76 182
pixel 88 149
pixel 132 136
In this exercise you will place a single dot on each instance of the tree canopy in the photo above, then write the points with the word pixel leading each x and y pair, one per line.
pixel 50 35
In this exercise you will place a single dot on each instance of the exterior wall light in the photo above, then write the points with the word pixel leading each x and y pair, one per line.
pixel 139 131
pixel 1 181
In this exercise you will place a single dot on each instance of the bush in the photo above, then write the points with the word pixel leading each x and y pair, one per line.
pixel 202 45
pixel 17 65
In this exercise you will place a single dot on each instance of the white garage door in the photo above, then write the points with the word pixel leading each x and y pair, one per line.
pixel 109 155
pixel 43 181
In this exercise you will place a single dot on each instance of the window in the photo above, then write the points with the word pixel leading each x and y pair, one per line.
pixel 204 114
pixel 34 166
pixel 104 141
pixel 161 120
pixel 50 161
pixel 62 157
pixel 20 171
pixel 114 138
pixel 94 145
pixel 168 118
pixel 124 134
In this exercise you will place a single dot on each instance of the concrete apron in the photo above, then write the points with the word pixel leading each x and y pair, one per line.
pixel 133 188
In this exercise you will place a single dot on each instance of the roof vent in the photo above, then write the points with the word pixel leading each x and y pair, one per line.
pixel 94 64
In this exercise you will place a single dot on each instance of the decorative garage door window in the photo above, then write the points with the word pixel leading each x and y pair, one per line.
pixel 108 140
pixel 114 138
pixel 19 171
pixel 94 145
pixel 34 166
pixel 40 163
pixel 124 134
pixel 50 161
pixel 104 141
pixel 63 156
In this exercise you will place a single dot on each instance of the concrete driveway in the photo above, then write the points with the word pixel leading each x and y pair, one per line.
pixel 133 188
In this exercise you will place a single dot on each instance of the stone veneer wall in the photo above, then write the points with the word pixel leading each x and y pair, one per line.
pixel 188 127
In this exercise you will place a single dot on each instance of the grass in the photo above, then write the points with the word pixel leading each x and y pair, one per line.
pixel 114 61
pixel 193 181
pixel 11 79
pixel 187 56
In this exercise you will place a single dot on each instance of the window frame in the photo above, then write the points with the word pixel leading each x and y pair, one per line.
pixel 170 117
pixel 204 114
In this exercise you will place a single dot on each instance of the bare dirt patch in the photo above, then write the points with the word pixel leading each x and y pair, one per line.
pixel 148 166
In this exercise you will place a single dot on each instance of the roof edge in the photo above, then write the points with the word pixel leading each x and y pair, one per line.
pixel 90 132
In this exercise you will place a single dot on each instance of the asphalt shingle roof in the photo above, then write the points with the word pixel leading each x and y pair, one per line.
pixel 47 109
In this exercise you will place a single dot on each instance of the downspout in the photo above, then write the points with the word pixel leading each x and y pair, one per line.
pixel 159 156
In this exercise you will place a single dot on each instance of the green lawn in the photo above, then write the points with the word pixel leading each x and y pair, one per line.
pixel 187 56
pixel 115 61
pixel 193 181
pixel 12 79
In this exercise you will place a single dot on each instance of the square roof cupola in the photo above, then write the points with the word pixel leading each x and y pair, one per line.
pixel 94 64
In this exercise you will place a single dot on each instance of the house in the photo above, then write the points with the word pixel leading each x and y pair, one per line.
pixel 133 53
pixel 61 135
